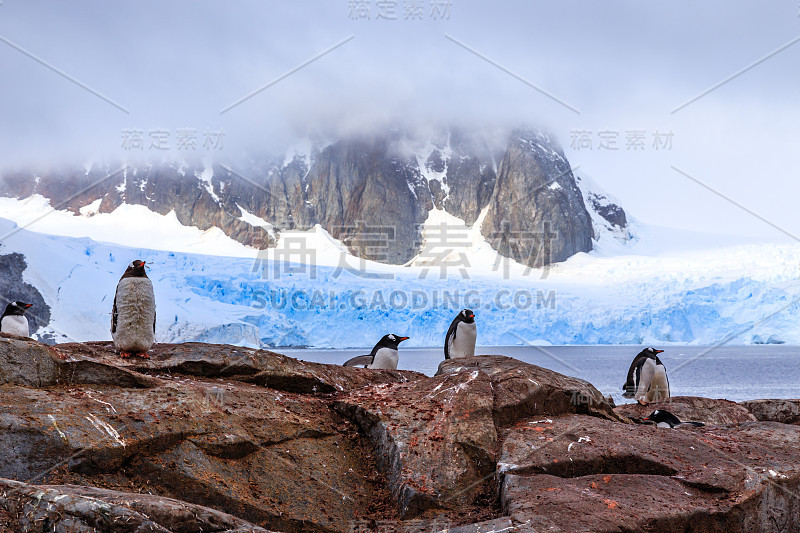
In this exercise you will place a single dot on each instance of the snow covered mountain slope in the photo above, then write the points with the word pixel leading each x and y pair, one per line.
pixel 210 288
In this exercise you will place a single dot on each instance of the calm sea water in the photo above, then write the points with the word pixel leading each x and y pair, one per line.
pixel 732 372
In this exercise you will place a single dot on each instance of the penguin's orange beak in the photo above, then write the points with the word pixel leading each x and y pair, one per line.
pixel 28 305
pixel 400 339
pixel 472 316
pixel 659 351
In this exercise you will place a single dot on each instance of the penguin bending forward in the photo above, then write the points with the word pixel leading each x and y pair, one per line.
pixel 133 317
pixel 665 419
pixel 13 320
pixel 460 338
pixel 384 355
pixel 647 378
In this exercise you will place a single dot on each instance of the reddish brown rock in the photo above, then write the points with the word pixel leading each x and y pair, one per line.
pixel 291 446
pixel 282 461
pixel 27 362
pixel 262 367
pixel 783 411
pixel 435 437
pixel 706 410
pixel 522 390
pixel 578 473
pixel 70 508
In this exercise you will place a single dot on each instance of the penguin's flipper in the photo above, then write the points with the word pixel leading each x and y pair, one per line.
pixel 114 316
pixel 690 423
pixel 359 360
pixel 451 335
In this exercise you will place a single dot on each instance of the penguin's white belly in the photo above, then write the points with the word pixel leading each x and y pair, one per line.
pixel 463 345
pixel 659 386
pixel 385 358
pixel 136 313
pixel 15 325
pixel 644 378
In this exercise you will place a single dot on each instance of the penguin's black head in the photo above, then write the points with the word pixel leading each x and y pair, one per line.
pixel 392 341
pixel 16 308
pixel 135 270
pixel 467 316
pixel 650 352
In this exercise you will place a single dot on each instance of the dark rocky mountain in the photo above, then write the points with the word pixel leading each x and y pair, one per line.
pixel 371 192
pixel 536 212
pixel 14 288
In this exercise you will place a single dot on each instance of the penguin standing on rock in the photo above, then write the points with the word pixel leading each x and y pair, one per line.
pixel 14 321
pixel 133 317
pixel 460 338
pixel 647 378
pixel 384 355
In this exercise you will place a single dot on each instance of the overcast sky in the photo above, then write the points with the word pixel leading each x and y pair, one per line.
pixel 691 94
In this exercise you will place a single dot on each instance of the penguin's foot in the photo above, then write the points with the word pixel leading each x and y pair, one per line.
pixel 641 402
pixel 128 355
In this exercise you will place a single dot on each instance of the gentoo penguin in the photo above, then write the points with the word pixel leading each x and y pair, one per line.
pixel 383 355
pixel 647 378
pixel 133 317
pixel 460 338
pixel 13 320
pixel 665 419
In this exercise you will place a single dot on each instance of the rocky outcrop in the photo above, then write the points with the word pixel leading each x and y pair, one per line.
pixel 14 288
pixel 705 410
pixel 468 164
pixel 28 508
pixel 248 365
pixel 783 411
pixel 521 391
pixel 536 213
pixel 583 474
pixel 222 438
pixel 282 460
pixel 371 192
pixel 435 438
